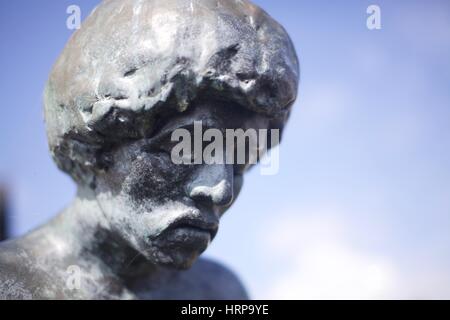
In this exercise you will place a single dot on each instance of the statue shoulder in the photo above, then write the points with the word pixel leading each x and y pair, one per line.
pixel 12 284
pixel 205 280
pixel 219 281
pixel 8 258
pixel 21 278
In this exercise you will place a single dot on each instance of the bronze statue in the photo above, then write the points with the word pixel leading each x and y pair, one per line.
pixel 136 71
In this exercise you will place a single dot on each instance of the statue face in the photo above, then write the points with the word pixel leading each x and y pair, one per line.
pixel 170 212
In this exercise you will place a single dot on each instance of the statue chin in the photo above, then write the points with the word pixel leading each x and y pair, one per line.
pixel 180 259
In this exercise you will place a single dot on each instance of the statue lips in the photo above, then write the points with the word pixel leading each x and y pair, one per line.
pixel 189 229
pixel 188 235
pixel 195 225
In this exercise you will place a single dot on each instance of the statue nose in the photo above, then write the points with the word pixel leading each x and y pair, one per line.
pixel 220 194
pixel 213 184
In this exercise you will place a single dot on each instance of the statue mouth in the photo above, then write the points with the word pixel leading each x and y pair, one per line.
pixel 194 225
pixel 187 234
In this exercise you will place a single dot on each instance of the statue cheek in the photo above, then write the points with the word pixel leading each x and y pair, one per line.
pixel 155 177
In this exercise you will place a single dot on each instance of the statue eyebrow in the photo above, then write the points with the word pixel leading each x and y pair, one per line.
pixel 187 125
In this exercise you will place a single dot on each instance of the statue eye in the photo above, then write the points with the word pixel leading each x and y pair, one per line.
pixel 189 157
pixel 161 145
pixel 150 148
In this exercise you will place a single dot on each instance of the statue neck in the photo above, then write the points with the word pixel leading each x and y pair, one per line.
pixel 85 234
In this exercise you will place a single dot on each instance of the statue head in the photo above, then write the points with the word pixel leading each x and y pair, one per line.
pixel 136 71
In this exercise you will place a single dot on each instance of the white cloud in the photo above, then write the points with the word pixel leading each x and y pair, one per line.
pixel 322 264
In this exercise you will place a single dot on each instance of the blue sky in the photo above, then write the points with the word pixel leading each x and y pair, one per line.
pixel 361 205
